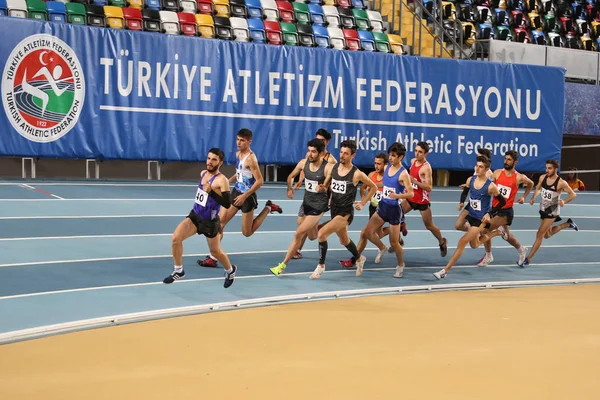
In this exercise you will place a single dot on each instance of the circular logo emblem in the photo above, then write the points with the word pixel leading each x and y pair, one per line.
pixel 43 88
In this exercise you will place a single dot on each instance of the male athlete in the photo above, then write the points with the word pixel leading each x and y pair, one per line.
pixel 316 198
pixel 212 193
pixel 344 179
pixel 480 211
pixel 422 182
pixel 508 181
pixel 248 179
pixel 396 186
pixel 551 185
pixel 325 136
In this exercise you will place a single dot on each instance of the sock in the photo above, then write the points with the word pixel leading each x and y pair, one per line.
pixel 214 258
pixel 488 254
pixel 322 252
pixel 229 270
pixel 178 268
pixel 352 249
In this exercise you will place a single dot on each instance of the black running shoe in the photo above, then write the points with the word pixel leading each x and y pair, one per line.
pixel 573 225
pixel 229 277
pixel 444 247
pixel 274 207
pixel 174 276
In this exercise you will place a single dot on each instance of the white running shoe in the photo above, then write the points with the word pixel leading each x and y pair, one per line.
pixel 503 232
pixel 399 271
pixel 486 260
pixel 440 274
pixel 380 254
pixel 522 254
pixel 360 263
pixel 318 271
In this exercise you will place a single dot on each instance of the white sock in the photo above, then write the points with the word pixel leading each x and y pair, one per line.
pixel 214 258
pixel 269 208
pixel 488 254
pixel 178 268
pixel 229 270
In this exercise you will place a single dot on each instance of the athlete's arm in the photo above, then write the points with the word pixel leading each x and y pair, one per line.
pixel 537 189
pixel 331 159
pixel 428 184
pixel 493 191
pixel 363 188
pixel 290 179
pixel 327 182
pixel 233 178
pixel 362 177
pixel 253 167
pixel 463 196
pixel 496 175
pixel 566 187
pixel 220 192
pixel 301 178
pixel 524 179
pixel 405 180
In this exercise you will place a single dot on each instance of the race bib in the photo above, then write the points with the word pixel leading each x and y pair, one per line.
pixel 504 191
pixel 311 186
pixel 338 186
pixel 201 197
pixel 377 196
pixel 414 185
pixel 387 191
pixel 546 194
pixel 238 176
pixel 475 204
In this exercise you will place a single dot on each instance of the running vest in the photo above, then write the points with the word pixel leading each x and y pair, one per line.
pixel 204 205
pixel 507 186
pixel 244 177
pixel 313 198
pixel 342 188
pixel 549 203
pixel 421 196
pixel 479 199
pixel 391 185
pixel 379 193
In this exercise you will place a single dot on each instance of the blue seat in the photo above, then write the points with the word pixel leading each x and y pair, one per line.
pixel 2 7
pixel 316 14
pixel 153 5
pixel 367 41
pixel 254 9
pixel 538 37
pixel 57 12
pixel 317 2
pixel 100 2
pixel 257 30
pixel 321 36
pixel 486 31
pixel 358 4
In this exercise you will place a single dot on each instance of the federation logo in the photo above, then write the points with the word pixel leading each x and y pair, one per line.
pixel 43 88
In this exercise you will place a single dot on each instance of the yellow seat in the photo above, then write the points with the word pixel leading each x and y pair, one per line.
pixel 222 8
pixel 396 44
pixel 139 4
pixel 206 25
pixel 329 3
pixel 114 17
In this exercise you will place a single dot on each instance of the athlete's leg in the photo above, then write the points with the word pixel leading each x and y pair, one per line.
pixel 471 234
pixel 214 245
pixel 461 221
pixel 184 230
pixel 309 223
pixel 545 226
pixel 555 229
pixel 395 244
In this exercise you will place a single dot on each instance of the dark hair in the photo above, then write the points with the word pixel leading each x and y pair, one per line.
pixel 485 152
pixel 325 133
pixel 384 157
pixel 483 159
pixel 424 146
pixel 317 144
pixel 397 148
pixel 218 152
pixel 512 154
pixel 349 144
pixel 245 133
pixel 554 163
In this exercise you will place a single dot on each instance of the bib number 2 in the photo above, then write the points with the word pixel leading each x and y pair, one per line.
pixel 311 186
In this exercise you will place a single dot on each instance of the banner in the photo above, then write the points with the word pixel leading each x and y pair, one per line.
pixel 582 113
pixel 84 92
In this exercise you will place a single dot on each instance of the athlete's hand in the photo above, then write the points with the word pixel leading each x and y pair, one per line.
pixel 321 188
pixel 207 187
pixel 460 206
pixel 532 201
pixel 464 185
pixel 485 219
pixel 290 193
pixel 357 205
pixel 561 203
pixel 413 179
pixel 238 201
pixel 298 185
pixel 521 200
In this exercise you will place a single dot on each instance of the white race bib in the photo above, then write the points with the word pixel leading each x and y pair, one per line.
pixel 238 176
pixel 547 194
pixel 387 191
pixel 201 197
pixel 377 196
pixel 414 185
pixel 311 186
pixel 338 186
pixel 475 204
pixel 504 191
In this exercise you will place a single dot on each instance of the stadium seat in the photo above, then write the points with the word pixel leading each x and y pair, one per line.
pixel 396 44
pixel 321 36
pixel 535 20
pixel 221 8
pixel 362 20
pixel 376 21
pixel 286 12
pixel 582 27
pixel 290 34
pixel 483 15
pixel 273 32
pixel 358 5
pixel 170 5
pixel 205 7
pixel 555 40
pixel 95 15
pixel 305 35
pixel 16 8
pixel 465 13
pixel 257 30
pixel 301 13
pixel 206 26
pixel 117 3
pixel 332 3
pixel 57 12
pixel 343 4
pixel 114 17
pixel 571 41
pixel 269 10
pixel 347 18
pixel 539 38
pixel 75 13
pixel 382 43
pixel 317 15
pixel 36 9
pixel 133 18
pixel 189 6
pixel 336 38
pixel 138 4
pixel 187 23
pixel 468 32
pixel 223 28
pixel 503 33
pixel 241 33
pixel 566 25
pixel 153 5
pixel 254 9
pixel 521 35
pixel 595 29
pixel 533 6
pixel 3 8
pixel 332 17
pixel 100 3
pixel 550 22
pixel 84 2
pixel 151 19
pixel 238 8
pixel 586 42
pixel 448 10
pixel 596 45
pixel 367 42
pixel 352 39
pixel 485 32
pixel 317 2
pixel 501 17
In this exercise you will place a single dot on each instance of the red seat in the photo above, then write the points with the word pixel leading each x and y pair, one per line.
pixel 205 7
pixel 187 22
pixel 352 40
pixel 133 19
pixel 273 31
pixel 286 12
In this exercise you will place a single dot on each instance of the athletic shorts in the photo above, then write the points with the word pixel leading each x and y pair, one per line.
pixel 342 212
pixel 305 209
pixel 372 210
pixel 475 222
pixel 544 215
pixel 210 229
pixel 418 206
pixel 467 207
pixel 389 213
pixel 508 213
pixel 249 205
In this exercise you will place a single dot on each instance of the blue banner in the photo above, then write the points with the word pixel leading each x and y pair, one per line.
pixel 83 92
pixel 582 110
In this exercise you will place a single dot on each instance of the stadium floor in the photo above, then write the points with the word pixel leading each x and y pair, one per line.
pixel 79 255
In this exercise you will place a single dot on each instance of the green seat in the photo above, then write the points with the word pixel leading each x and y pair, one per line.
pixel 362 20
pixel 301 12
pixel 290 34
pixel 118 3
pixel 37 10
pixel 382 44
pixel 75 13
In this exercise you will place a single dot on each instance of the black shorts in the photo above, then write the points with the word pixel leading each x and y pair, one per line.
pixel 342 212
pixel 508 213
pixel 305 210
pixel 417 206
pixel 467 207
pixel 249 205
pixel 372 210
pixel 475 222
pixel 544 215
pixel 389 213
pixel 210 229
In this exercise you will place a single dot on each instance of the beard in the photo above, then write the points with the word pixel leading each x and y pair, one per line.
pixel 508 167
pixel 211 169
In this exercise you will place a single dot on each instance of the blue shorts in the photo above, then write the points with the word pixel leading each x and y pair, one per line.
pixel 391 213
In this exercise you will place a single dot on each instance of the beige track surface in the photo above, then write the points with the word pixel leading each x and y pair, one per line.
pixel 533 343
